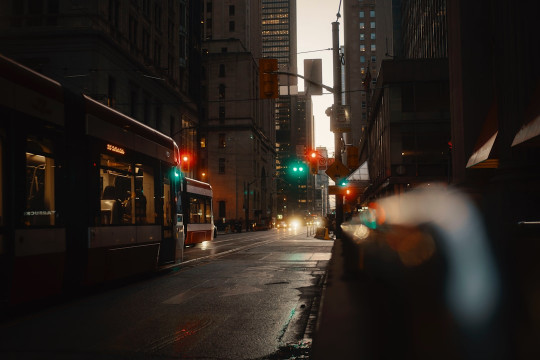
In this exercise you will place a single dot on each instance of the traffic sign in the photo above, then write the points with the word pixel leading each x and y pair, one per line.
pixel 337 170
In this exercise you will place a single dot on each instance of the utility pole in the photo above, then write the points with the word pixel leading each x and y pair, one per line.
pixel 337 103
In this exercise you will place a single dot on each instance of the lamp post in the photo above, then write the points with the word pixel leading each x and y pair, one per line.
pixel 337 102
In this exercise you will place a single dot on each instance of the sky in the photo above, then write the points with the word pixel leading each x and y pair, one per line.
pixel 314 27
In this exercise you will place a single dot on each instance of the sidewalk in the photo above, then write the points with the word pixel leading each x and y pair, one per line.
pixel 391 311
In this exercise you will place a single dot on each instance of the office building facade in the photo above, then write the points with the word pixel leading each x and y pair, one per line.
pixel 141 58
pixel 238 153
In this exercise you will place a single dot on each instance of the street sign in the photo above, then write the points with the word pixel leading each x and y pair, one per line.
pixel 334 190
pixel 337 170
pixel 340 120
pixel 322 163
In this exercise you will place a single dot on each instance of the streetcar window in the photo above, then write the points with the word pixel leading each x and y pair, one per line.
pixel 200 210
pixel 167 214
pixel 122 185
pixel 208 211
pixel 40 207
pixel 116 179
pixel 195 211
pixel 145 209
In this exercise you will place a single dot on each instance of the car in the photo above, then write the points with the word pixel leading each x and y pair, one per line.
pixel 281 224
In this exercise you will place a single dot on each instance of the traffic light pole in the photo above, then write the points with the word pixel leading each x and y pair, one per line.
pixel 337 102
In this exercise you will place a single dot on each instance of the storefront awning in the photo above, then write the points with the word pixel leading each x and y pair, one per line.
pixel 484 155
pixel 529 134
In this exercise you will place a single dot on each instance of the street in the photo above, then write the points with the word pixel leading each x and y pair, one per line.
pixel 244 296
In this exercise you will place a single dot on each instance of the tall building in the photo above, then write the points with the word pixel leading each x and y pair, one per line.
pixel 238 135
pixel 365 24
pixel 141 58
pixel 279 38
pixel 405 140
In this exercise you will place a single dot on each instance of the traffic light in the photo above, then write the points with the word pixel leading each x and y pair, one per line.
pixel 298 169
pixel 185 162
pixel 268 79
pixel 313 161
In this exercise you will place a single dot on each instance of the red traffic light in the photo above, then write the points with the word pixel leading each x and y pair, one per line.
pixel 185 162
pixel 313 160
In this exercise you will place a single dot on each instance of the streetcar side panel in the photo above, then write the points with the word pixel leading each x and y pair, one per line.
pixel 198 214
pixel 32 140
pixel 133 205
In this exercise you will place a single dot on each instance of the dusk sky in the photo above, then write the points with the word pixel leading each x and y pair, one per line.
pixel 314 25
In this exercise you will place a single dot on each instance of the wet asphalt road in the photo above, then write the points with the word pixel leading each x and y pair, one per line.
pixel 245 296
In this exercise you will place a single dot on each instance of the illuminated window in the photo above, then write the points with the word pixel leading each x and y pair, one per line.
pixel 126 192
pixel 221 90
pixel 40 207
pixel 222 143
pixel 362 14
pixel 362 25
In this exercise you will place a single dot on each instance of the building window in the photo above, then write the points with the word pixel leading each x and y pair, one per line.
pixel 363 104
pixel 182 47
pixel 372 13
pixel 362 59
pixel 114 12
pixel 362 70
pixel 221 70
pixel 221 165
pixel 221 91
pixel 231 10
pixel 146 108
pixel 132 31
pixel 372 25
pixel 362 25
pixel 157 17
pixel 372 36
pixel 362 47
pixel 221 205
pixel 222 143
pixel 157 54
pixel 221 113
pixel 111 92
pixel 134 99
pixel 146 43
pixel 362 37
pixel 231 26
pixel 203 142
pixel 146 8
pixel 373 47
pixel 362 14
pixel 373 59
